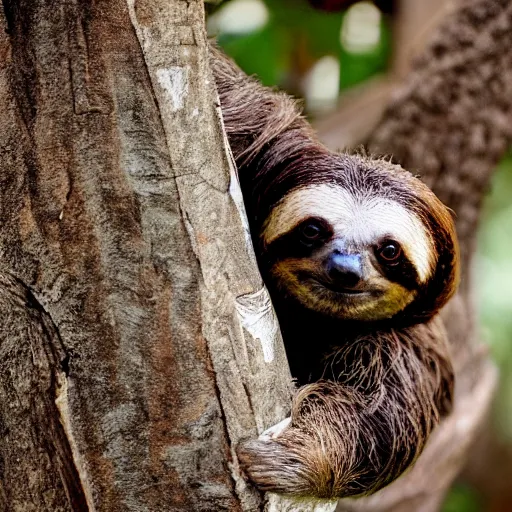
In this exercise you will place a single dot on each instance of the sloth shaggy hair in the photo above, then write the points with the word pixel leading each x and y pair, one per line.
pixel 372 399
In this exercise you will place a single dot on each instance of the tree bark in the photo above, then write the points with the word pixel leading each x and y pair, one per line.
pixel 138 344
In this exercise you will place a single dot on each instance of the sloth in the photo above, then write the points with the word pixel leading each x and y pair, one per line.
pixel 359 256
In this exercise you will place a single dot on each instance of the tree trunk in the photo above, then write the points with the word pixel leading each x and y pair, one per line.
pixel 138 344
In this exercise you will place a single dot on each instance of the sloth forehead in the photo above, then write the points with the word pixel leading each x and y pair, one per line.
pixel 361 219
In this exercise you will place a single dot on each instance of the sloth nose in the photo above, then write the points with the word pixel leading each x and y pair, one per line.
pixel 345 269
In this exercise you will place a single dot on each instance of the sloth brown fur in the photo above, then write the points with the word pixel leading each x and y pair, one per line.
pixel 372 389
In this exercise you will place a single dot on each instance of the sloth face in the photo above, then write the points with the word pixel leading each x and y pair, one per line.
pixel 358 256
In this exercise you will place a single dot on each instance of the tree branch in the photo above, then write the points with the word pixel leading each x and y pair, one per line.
pixel 451 122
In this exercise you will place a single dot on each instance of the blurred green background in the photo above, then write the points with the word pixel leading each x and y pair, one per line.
pixel 318 56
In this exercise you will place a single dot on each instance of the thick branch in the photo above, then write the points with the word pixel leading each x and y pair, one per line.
pixel 92 227
pixel 451 122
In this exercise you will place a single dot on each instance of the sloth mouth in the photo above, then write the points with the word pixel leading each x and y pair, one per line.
pixel 346 291
pixel 341 290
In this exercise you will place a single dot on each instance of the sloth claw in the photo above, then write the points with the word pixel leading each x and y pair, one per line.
pixel 269 465
pixel 276 430
pixel 293 462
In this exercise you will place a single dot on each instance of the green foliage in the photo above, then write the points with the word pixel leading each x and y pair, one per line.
pixel 294 38
pixel 494 279
pixel 462 499
pixel 357 68
pixel 256 52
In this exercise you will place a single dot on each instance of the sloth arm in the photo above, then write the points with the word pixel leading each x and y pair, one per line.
pixel 354 435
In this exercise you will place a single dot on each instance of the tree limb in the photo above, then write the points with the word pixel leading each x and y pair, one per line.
pixel 450 122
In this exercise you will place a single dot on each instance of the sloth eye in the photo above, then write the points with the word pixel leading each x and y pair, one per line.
pixel 311 232
pixel 389 251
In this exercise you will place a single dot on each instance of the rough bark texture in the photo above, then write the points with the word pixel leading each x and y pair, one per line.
pixel 451 122
pixel 138 344
pixel 34 443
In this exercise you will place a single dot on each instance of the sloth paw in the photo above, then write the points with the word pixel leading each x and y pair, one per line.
pixel 290 460
pixel 270 465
